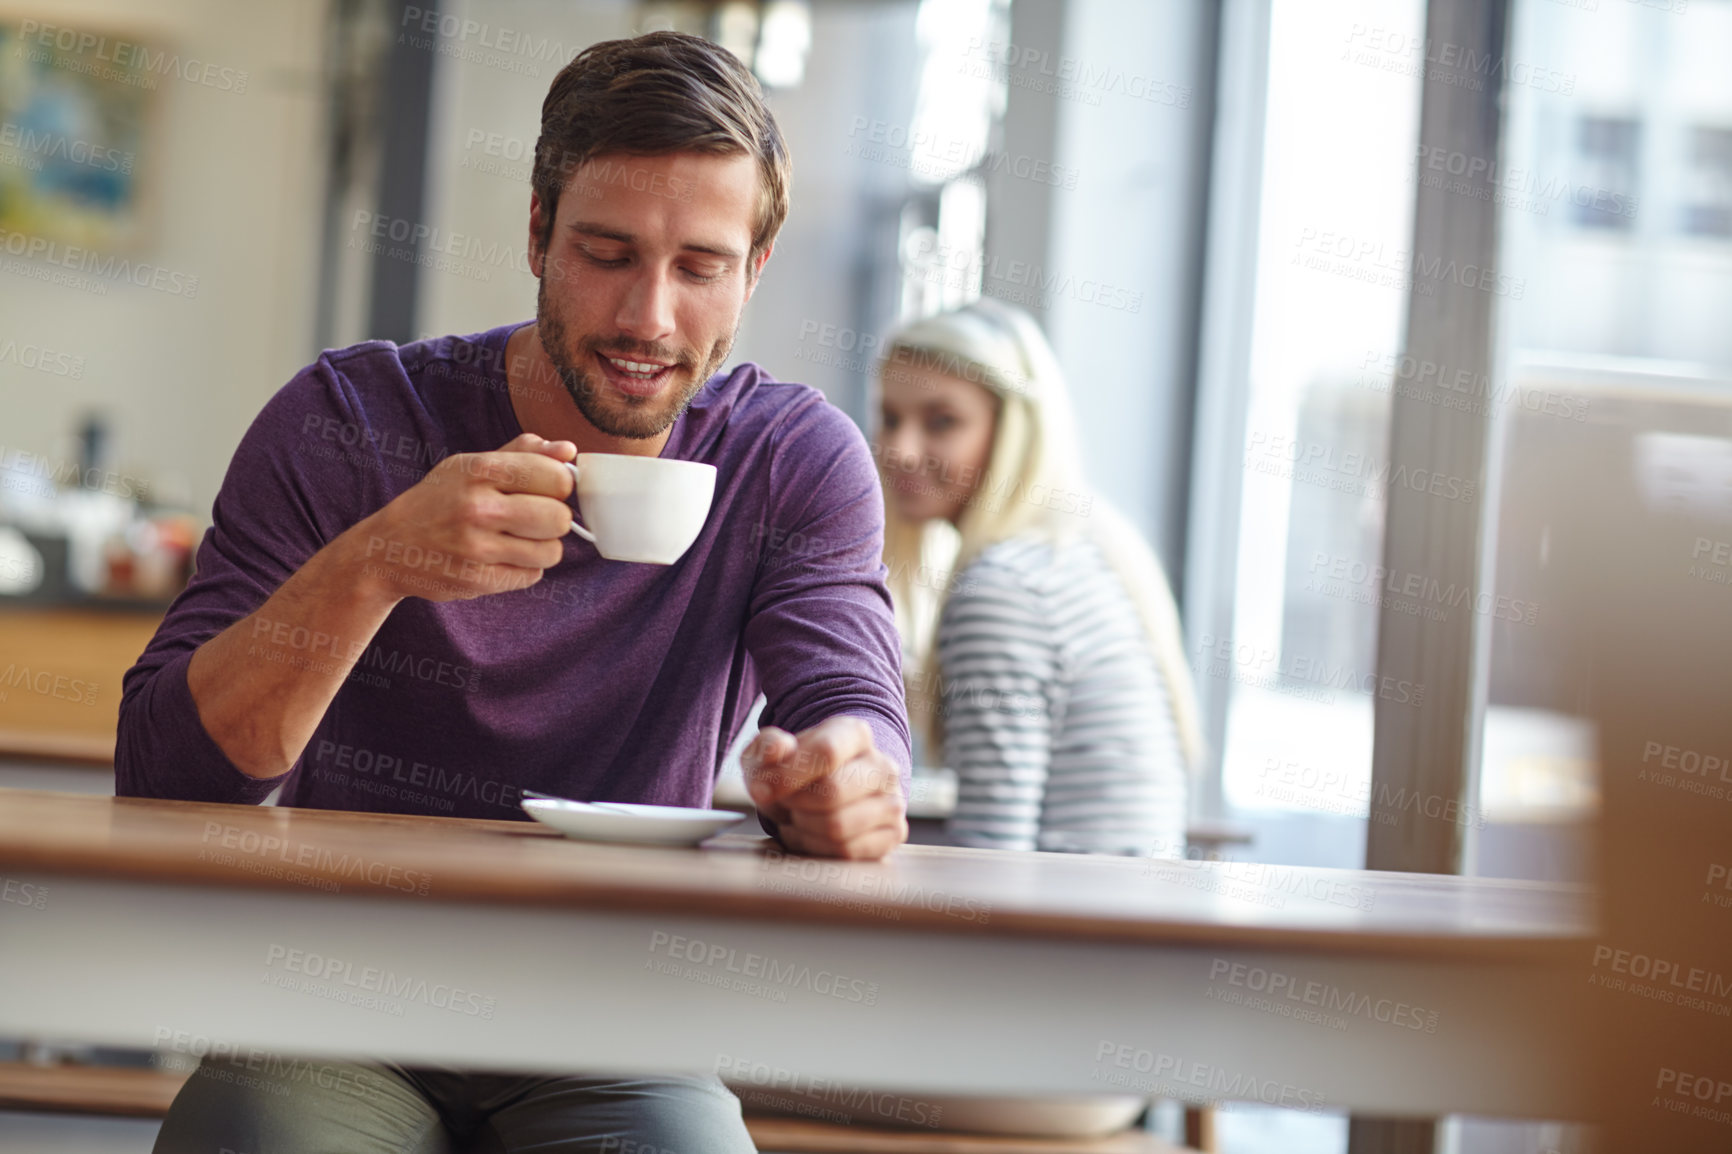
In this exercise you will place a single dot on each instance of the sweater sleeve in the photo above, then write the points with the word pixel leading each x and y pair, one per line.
pixel 998 666
pixel 281 501
pixel 819 627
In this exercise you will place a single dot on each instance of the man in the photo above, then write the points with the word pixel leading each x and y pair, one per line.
pixel 390 615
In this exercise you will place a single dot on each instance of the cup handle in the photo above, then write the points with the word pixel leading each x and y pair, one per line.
pixel 575 527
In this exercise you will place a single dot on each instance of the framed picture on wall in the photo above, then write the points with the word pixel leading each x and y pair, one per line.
pixel 74 112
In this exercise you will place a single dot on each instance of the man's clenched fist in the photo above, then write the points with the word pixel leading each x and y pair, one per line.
pixel 829 790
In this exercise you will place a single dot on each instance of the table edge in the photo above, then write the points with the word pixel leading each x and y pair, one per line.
pixel 617 897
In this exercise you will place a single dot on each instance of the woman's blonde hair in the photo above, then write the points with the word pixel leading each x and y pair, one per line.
pixel 1033 488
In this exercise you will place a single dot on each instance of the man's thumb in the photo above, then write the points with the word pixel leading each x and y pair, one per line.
pixel 769 746
pixel 767 750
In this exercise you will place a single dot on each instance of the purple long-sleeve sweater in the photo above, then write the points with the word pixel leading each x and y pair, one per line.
pixel 607 680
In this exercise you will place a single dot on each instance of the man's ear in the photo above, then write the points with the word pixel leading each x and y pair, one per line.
pixel 537 229
pixel 757 270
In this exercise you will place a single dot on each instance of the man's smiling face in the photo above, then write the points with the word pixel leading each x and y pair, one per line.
pixel 644 280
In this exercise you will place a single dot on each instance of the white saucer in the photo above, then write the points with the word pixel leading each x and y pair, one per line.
pixel 618 821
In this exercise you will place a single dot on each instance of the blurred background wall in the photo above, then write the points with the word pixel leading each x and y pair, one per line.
pixel 265 192
pixel 229 186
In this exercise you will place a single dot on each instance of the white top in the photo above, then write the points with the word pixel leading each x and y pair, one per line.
pixel 1056 717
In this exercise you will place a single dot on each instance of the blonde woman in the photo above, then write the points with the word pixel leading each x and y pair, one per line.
pixel 1044 660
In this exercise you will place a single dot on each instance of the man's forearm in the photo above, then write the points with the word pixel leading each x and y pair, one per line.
pixel 263 684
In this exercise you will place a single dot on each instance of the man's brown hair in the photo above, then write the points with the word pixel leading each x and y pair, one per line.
pixel 655 94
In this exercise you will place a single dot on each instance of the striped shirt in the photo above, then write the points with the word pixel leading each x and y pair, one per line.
pixel 1056 717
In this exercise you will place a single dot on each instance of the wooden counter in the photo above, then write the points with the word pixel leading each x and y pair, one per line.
pixel 60 672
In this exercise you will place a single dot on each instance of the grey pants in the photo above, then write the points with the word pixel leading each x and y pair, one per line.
pixel 311 1106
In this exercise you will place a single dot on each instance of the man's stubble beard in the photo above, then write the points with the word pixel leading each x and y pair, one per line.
pixel 637 420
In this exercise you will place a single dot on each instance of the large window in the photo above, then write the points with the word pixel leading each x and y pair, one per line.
pixel 1333 272
pixel 1606 152
pixel 1707 209
pixel 1612 184
pixel 1617 352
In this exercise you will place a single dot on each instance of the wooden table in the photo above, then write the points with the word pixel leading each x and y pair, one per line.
pixel 942 971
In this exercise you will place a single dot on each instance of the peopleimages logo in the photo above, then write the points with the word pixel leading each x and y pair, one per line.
pixel 1718 875
pixel 41 358
pixel 1351 795
pixel 358 764
pixel 472 35
pixel 926 152
pixel 1672 981
pixel 109 268
pixel 1706 774
pixel 129 57
pixel 24 894
pixel 1279 987
pixel 798 1093
pixel 428 240
pixel 278 1073
pixel 1446 62
pixel 54 473
pixel 761 970
pixel 1698 1095
pixel 1371 260
pixel 47 683
pixel 1465 389
pixel 58 146
pixel 1346 471
pixel 1480 178
pixel 1248 664
pixel 1176 1077
pixel 1334 575
pixel 254 852
pixel 340 974
pixel 1070 77
pixel 879 887
pixel 280 640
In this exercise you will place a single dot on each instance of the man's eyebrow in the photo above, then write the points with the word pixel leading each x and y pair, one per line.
pixel 602 232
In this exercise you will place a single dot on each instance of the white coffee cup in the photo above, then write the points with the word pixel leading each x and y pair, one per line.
pixel 641 508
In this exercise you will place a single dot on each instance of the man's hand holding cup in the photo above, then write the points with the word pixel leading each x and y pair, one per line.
pixel 477 523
